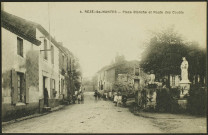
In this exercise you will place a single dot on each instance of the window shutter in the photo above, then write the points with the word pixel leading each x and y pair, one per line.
pixel 26 89
pixel 14 87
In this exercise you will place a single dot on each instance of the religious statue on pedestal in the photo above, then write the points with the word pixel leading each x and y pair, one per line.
pixel 184 83
pixel 184 70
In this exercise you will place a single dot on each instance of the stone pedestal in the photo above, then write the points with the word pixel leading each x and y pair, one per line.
pixel 184 87
pixel 182 103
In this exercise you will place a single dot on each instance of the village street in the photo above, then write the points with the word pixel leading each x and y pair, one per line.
pixel 90 117
pixel 98 117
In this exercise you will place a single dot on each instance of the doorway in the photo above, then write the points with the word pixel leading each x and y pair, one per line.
pixel 45 92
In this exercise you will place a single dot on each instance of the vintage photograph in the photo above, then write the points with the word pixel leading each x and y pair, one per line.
pixel 104 67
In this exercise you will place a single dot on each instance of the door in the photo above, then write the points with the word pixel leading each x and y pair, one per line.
pixel 44 91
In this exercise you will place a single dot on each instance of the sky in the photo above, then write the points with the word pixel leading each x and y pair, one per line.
pixel 96 38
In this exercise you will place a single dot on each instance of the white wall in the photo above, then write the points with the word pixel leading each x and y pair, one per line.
pixel 10 60
pixel 46 68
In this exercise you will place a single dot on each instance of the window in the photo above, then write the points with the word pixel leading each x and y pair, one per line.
pixel 20 46
pixel 45 48
pixel 20 93
pixel 52 55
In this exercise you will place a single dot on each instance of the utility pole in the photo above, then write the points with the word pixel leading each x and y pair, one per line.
pixel 49 24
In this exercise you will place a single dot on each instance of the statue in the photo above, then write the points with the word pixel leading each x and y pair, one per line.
pixel 184 83
pixel 184 70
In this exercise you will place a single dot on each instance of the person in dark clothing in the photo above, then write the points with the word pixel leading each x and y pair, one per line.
pixel 82 97
pixel 74 98
pixel 124 99
pixel 79 97
pixel 96 94
pixel 99 96
pixel 46 96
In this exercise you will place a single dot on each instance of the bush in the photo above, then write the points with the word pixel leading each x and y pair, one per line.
pixel 166 100
pixel 163 100
pixel 175 92
pixel 197 101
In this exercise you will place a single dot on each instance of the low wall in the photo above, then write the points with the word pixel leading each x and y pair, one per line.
pixel 54 102
pixel 10 112
pixel 51 103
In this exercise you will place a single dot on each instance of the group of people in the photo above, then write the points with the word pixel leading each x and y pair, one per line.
pixel 117 98
pixel 79 96
pixel 97 95
pixel 120 99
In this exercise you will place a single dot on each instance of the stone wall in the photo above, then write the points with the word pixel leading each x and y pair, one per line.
pixel 10 112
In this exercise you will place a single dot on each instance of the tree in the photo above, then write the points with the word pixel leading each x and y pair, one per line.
pixel 77 74
pixel 197 61
pixel 164 54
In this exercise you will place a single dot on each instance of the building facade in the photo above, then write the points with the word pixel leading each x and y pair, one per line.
pixel 20 67
pixel 127 75
pixel 34 68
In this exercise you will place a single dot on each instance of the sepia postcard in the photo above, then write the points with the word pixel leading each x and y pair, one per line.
pixel 104 67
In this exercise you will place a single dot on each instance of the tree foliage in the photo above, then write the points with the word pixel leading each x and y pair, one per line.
pixel 76 74
pixel 164 54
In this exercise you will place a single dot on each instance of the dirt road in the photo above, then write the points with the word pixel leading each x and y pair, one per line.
pixel 90 117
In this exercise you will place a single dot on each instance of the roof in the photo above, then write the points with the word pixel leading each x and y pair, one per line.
pixel 132 63
pixel 19 26
pixel 108 67
pixel 26 29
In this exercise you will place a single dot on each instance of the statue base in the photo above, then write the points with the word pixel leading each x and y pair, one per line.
pixel 184 82
pixel 184 87
pixel 182 103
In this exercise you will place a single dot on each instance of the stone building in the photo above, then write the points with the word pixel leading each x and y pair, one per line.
pixel 31 63
pixel 20 67
pixel 126 73
pixel 66 66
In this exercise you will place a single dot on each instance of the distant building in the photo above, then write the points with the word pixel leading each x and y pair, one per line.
pixel 124 72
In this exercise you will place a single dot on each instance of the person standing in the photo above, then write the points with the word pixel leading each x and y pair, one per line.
pixel 115 99
pixel 96 95
pixel 99 95
pixel 124 99
pixel 74 98
pixel 46 97
pixel 79 97
pixel 119 99
pixel 82 97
